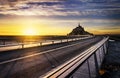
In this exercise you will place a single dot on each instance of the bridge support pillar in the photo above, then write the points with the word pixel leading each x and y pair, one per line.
pixel 96 65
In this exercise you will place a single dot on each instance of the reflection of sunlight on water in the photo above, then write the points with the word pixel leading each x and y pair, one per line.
pixel 31 38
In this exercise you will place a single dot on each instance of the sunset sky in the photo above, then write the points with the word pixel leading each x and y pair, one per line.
pixel 58 17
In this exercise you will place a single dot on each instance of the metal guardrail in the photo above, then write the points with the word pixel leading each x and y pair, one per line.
pixel 68 69
pixel 34 44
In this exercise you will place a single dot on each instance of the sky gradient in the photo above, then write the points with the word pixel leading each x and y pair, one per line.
pixel 58 17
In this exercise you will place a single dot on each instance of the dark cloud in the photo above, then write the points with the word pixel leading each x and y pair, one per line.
pixel 63 8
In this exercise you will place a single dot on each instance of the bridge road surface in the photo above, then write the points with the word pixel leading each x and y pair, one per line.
pixel 36 61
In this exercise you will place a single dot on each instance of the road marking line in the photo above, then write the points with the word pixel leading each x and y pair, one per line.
pixel 19 58
pixel 20 46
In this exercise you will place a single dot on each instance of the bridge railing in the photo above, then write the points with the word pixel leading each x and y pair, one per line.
pixel 21 45
pixel 85 65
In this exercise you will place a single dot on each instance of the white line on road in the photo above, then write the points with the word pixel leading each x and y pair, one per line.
pixel 20 46
pixel 19 58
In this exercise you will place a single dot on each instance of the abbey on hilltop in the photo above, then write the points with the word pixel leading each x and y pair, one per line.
pixel 79 30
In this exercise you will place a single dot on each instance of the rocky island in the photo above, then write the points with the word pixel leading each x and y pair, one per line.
pixel 79 30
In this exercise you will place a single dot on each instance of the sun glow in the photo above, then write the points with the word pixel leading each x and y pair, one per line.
pixel 30 31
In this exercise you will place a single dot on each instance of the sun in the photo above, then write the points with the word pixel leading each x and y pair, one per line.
pixel 30 32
